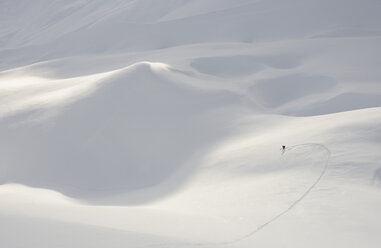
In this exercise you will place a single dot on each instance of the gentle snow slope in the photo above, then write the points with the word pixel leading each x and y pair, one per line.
pixel 145 124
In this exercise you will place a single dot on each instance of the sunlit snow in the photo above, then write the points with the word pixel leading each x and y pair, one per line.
pixel 144 123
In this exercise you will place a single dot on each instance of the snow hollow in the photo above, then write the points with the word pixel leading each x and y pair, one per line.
pixel 143 123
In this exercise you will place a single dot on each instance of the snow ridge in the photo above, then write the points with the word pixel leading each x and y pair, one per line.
pixel 143 122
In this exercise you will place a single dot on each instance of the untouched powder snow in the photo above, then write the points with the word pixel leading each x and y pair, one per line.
pixel 142 123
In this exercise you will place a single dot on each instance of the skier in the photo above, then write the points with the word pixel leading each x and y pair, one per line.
pixel 283 149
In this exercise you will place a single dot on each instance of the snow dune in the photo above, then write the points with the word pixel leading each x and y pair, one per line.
pixel 144 124
pixel 129 123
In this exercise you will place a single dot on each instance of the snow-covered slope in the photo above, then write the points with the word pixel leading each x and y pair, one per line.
pixel 146 123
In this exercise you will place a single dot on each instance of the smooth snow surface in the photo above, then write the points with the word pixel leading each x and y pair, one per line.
pixel 143 123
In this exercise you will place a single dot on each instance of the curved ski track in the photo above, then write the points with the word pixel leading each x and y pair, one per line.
pixel 270 221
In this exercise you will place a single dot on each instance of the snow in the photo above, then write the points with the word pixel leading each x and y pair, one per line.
pixel 145 124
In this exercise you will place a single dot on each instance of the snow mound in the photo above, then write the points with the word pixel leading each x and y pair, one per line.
pixel 145 123
pixel 132 130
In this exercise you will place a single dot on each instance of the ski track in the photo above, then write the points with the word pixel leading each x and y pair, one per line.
pixel 272 220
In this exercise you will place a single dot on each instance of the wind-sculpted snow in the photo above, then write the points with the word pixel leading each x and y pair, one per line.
pixel 243 65
pixel 344 102
pixel 315 159
pixel 276 92
pixel 145 123
pixel 133 131
pixel 73 28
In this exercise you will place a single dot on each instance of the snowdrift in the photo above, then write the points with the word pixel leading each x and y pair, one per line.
pixel 134 130
pixel 145 124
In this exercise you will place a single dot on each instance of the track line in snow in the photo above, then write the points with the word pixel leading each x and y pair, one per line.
pixel 296 202
pixel 270 221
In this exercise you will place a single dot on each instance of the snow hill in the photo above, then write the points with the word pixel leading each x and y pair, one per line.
pixel 143 123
